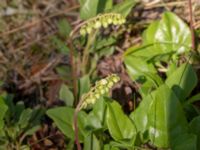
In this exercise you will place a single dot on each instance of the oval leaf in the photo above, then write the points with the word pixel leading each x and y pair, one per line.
pixel 119 125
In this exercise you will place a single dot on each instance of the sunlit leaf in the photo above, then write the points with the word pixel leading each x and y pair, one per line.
pixel 119 125
pixel 90 8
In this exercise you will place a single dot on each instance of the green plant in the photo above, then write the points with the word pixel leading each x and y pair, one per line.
pixel 165 116
pixel 17 123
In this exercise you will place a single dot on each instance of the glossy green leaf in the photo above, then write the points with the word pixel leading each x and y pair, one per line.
pixel 166 119
pixel 63 118
pixel 169 34
pixel 91 143
pixel 3 109
pixel 182 81
pixel 195 129
pixel 162 40
pixel 140 70
pixel 124 7
pixel 119 125
pixel 90 8
pixel 66 95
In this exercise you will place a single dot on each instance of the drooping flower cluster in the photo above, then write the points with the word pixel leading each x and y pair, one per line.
pixel 101 88
pixel 102 20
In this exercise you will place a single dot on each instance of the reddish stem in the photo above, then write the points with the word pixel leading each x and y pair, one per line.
pixel 73 73
pixel 76 129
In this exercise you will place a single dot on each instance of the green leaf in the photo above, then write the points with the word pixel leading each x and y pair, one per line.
pixel 119 125
pixel 185 142
pixel 3 109
pixel 31 131
pixel 194 128
pixel 166 119
pixel 90 8
pixel 109 147
pixel 107 51
pixel 104 42
pixel 91 143
pixel 66 95
pixel 140 70
pixel 84 85
pixel 169 34
pixel 64 27
pixel 63 118
pixel 140 115
pixel 182 81
pixel 163 39
pixel 60 45
pixel 96 118
pixel 24 118
pixel 124 7
pixel 18 110
pixel 193 99
pixel 161 114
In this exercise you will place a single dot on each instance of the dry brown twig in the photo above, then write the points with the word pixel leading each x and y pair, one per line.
pixel 36 78
pixel 31 24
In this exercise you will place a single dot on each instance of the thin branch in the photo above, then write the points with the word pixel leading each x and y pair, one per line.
pixel 73 73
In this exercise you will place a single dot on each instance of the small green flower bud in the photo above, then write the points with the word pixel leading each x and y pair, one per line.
pixel 102 91
pixel 115 22
pixel 123 20
pixel 97 96
pixel 103 82
pixel 92 100
pixel 110 84
pixel 97 24
pixel 83 32
pixel 105 24
pixel 115 79
pixel 110 20
pixel 89 29
pixel 106 89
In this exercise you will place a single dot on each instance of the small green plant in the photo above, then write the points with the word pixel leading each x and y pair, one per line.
pixel 17 123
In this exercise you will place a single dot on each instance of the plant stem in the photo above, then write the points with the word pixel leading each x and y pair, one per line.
pixel 76 126
pixel 73 73
pixel 86 52
pixel 191 24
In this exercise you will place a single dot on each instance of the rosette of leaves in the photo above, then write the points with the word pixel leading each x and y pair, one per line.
pixel 101 88
pixel 102 20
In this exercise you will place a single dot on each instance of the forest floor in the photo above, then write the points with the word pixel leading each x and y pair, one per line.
pixel 28 58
